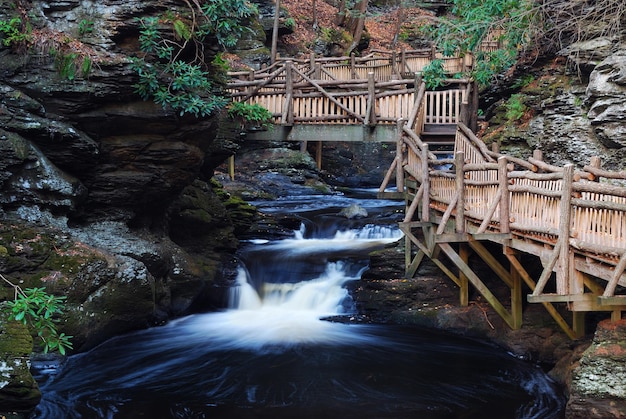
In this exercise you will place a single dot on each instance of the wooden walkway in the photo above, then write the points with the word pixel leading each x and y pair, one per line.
pixel 555 233
pixel 558 232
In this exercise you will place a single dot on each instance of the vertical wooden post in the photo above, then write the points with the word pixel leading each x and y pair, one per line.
pixel 563 285
pixel 352 66
pixel 495 147
pixel 416 84
pixel 578 323
pixel 402 62
pixel 516 298
pixel 312 64
pixel 426 183
pixel 394 70
pixel 318 155
pixel 371 99
pixel 250 78
pixel 399 144
pixel 474 110
pixel 463 280
pixel 303 146
pixel 503 179
pixel 231 167
pixel 433 52
pixel 459 161
pixel 317 72
pixel 597 163
pixel 287 116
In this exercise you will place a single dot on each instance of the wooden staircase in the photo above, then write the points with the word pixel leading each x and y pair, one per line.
pixel 440 139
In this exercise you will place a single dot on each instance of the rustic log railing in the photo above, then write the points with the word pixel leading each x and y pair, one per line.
pixel 294 96
pixel 574 222
pixel 386 66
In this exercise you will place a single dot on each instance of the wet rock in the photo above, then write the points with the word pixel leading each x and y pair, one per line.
pixel 353 211
pixel 18 389
pixel 606 94
pixel 598 384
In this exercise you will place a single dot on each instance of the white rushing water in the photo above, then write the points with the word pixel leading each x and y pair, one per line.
pixel 292 313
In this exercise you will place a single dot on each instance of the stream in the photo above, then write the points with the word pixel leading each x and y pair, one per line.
pixel 273 353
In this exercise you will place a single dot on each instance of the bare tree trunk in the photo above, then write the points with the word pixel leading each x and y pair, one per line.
pixel 341 13
pixel 275 32
pixel 360 25
pixel 400 17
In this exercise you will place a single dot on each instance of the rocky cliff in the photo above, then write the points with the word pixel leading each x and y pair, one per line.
pixel 106 198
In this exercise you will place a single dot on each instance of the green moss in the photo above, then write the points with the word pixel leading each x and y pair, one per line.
pixel 16 338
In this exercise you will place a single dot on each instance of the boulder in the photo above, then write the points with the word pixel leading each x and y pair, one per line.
pixel 598 383
pixel 353 211
pixel 18 389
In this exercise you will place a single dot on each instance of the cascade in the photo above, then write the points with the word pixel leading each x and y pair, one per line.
pixel 272 353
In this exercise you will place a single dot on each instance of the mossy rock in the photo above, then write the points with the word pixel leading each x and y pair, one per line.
pixel 18 389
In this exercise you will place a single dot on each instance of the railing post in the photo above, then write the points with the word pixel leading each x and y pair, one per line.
pixel 399 168
pixel 426 184
pixel 287 116
pixel 564 282
pixel 402 62
pixel 231 167
pixel 503 178
pixel 370 118
pixel 352 66
pixel 394 70
pixel 459 162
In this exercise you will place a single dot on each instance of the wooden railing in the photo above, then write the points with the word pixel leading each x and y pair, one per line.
pixel 573 220
pixel 385 65
pixel 297 95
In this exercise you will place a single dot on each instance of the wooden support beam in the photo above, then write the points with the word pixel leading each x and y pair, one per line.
pixel 578 323
pixel 463 280
pixel 477 283
pixel 547 270
pixel 531 284
pixel 492 262
pixel 516 298
pixel 318 155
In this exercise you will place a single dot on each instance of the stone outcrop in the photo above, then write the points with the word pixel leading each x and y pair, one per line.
pixel 19 392
pixel 107 198
pixel 574 107
pixel 598 384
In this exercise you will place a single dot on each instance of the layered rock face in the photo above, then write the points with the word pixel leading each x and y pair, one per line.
pixel 88 169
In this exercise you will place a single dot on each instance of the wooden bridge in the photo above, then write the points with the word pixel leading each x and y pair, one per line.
pixel 350 98
pixel 556 233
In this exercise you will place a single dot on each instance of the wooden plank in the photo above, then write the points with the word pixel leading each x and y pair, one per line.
pixel 559 298
pixel 477 283
pixel 531 284
pixel 614 300
pixel 503 273
pixel 463 280
pixel 547 270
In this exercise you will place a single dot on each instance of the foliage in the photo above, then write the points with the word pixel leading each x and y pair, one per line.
pixel 85 26
pixel 434 74
pixel 167 73
pixel 14 32
pixel 515 107
pixel 36 308
pixel 170 82
pixel 523 81
pixel 508 23
pixel 223 18
pixel 250 114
